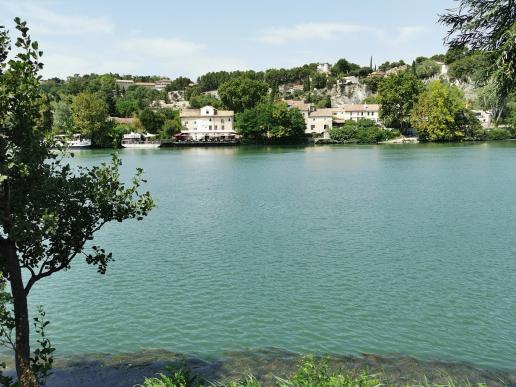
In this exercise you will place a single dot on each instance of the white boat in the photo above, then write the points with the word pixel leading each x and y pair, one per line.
pixel 76 142
pixel 140 140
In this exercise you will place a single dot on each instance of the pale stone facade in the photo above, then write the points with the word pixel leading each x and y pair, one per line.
pixel 207 123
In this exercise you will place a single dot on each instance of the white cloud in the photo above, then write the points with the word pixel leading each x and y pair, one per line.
pixel 46 21
pixel 170 56
pixel 161 47
pixel 326 31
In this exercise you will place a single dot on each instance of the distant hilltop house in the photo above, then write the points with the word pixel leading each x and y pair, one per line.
pixel 323 68
pixel 207 124
pixel 320 121
pixel 159 85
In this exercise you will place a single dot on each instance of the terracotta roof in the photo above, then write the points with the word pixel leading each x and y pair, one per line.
pixel 298 104
pixel 196 113
pixel 322 113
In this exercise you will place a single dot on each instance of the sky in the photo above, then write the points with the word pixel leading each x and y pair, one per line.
pixel 191 37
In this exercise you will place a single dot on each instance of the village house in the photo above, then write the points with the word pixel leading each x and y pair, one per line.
pixel 207 124
pixel 357 112
pixel 319 122
pixel 303 107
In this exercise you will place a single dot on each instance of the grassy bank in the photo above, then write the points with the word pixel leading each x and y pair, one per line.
pixel 310 372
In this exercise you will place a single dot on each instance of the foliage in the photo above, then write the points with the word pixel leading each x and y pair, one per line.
pixel 371 99
pixel 62 120
pixel 42 360
pixel 319 81
pixel 440 113
pixel 48 209
pixel 323 102
pixel 89 114
pixel 343 67
pixel 242 93
pixel 180 83
pixel 428 68
pixel 388 65
pixel 361 132
pixel 199 101
pixel 151 121
pixel 271 121
pixel 126 106
pixel 175 377
pixel 487 26
pixel 397 94
pixel 472 67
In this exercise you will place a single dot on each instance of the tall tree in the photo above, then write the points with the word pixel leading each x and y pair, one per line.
pixel 48 209
pixel 397 94
pixel 89 113
pixel 488 26
pixel 239 94
pixel 440 113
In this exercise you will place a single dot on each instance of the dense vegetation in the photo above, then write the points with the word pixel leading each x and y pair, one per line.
pixel 311 372
pixel 361 132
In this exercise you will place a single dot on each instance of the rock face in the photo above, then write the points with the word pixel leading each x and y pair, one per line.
pixel 348 94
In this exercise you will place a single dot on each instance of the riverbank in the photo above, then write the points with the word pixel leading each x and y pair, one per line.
pixel 129 369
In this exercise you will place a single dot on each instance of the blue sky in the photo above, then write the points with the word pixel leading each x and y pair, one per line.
pixel 173 38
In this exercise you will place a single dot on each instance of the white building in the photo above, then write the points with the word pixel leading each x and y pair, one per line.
pixel 323 68
pixel 319 122
pixel 357 112
pixel 207 123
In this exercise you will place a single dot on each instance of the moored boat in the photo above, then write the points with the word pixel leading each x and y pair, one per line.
pixel 140 140
pixel 75 142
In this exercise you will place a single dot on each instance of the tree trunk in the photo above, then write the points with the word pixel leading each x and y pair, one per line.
pixel 21 314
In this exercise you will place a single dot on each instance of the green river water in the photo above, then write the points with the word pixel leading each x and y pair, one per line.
pixel 404 250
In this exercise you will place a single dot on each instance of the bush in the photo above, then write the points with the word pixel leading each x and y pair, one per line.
pixel 361 132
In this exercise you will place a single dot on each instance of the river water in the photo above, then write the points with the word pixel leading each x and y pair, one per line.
pixel 405 249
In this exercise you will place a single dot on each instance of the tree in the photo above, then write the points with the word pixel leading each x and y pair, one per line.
pixel 397 94
pixel 89 113
pixel 428 68
pixel 487 26
pixel 271 121
pixel 361 132
pixel 179 83
pixel 439 114
pixel 239 94
pixel 49 210
pixel 62 121
pixel 151 121
pixel 319 81
pixel 126 106
pixel 198 101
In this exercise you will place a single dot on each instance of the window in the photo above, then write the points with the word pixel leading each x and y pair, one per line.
pixel 209 127
pixel 215 127
pixel 229 119
pixel 361 114
pixel 210 119
pixel 222 120
pixel 207 112
pixel 222 127
pixel 325 126
pixel 312 127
